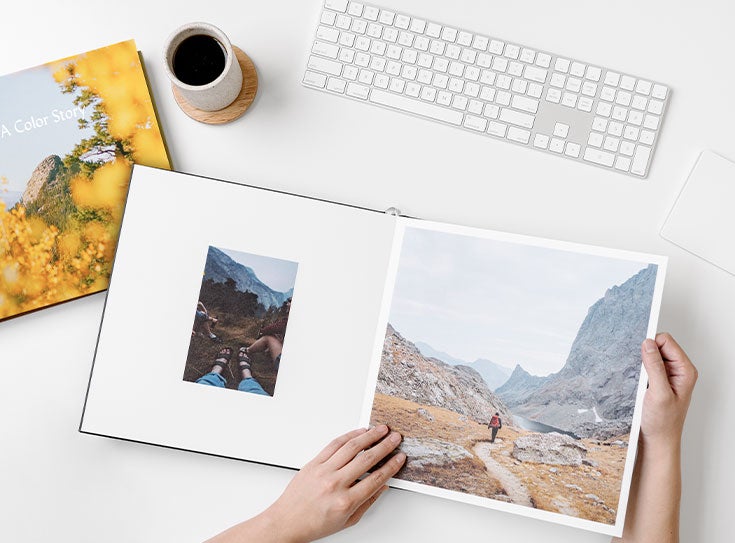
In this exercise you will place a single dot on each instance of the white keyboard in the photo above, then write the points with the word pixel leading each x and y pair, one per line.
pixel 556 104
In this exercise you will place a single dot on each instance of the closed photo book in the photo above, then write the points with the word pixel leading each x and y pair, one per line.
pixel 258 325
pixel 70 131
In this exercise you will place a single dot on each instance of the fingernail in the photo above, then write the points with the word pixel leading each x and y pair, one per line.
pixel 395 437
pixel 650 346
pixel 382 429
pixel 400 458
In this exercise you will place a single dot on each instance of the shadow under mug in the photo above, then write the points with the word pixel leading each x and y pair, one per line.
pixel 220 92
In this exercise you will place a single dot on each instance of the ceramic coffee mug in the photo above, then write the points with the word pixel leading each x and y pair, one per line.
pixel 201 64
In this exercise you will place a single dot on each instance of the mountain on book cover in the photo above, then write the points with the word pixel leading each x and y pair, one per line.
pixel 70 131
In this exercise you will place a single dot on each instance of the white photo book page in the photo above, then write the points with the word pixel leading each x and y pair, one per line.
pixel 204 264
pixel 511 365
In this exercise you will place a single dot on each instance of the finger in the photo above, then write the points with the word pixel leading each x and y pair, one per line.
pixel 658 380
pixel 682 373
pixel 370 484
pixel 357 515
pixel 363 462
pixel 354 446
pixel 336 444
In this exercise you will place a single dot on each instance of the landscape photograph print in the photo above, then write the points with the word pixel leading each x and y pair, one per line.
pixel 70 132
pixel 240 320
pixel 512 369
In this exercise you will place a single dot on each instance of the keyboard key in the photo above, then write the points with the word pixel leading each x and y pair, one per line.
pixel 651 122
pixel 326 33
pixel 475 123
pixel 656 107
pixel 413 89
pixel 525 104
pixel 558 80
pixel 358 91
pixel 556 145
pixel 611 144
pixel 336 85
pixel 569 99
pixel 324 65
pixel 428 93
pixel 371 13
pixel 623 98
pixel 350 72
pixel 464 38
pixel 325 49
pixel 328 17
pixel 627 83
pixel 585 104
pixel 572 149
pixel 433 30
pixel 518 134
pixel 449 34
pixel 631 133
pixel 626 148
pixel 397 85
pixel 366 77
pixel 491 111
pixel 593 73
pixel 589 89
pixel 402 21
pixel 512 51
pixel 607 94
pixel 475 106
pixel 355 9
pixel 459 102
pixel 615 129
pixel 541 141
pixel 644 87
pixel 599 124
pixel 595 140
pixel 496 47
pixel 381 81
pixel 517 118
pixel 503 98
pixel 314 79
pixel 574 84
pixel 619 113
pixel 444 98
pixel 598 157
pixel 604 109
pixel 612 79
pixel 418 26
pixel 640 160
pixel 639 102
pixel 622 163
pixel 659 92
pixel 578 69
pixel 480 43
pixel 535 74
pixel 647 137
pixel 561 130
pixel 343 22
pixel 496 128
pixel 561 65
pixel 543 60
pixel 535 90
pixel 553 95
pixel 418 108
pixel 528 55
pixel 336 5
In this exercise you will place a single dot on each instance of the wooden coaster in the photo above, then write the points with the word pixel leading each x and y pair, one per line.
pixel 237 108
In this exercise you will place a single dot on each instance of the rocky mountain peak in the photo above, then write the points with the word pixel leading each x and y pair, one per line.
pixel 406 373
pixel 594 393
pixel 45 175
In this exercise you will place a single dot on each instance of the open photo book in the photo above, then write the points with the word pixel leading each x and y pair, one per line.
pixel 258 325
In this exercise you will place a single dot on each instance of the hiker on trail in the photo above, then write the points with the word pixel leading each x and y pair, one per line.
pixel 203 322
pixel 270 338
pixel 495 424
pixel 215 378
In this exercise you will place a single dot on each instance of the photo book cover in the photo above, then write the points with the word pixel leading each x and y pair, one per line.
pixel 240 321
pixel 512 370
pixel 70 131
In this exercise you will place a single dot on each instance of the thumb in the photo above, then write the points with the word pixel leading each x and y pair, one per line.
pixel 658 380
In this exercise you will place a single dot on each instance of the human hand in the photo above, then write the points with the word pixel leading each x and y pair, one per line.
pixel 323 498
pixel 671 379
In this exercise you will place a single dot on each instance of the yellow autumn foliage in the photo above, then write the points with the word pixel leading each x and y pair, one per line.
pixel 40 265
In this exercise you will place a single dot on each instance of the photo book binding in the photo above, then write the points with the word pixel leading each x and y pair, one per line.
pixel 510 364
pixel 70 131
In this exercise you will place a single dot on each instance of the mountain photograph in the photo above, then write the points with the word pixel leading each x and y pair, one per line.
pixel 512 371
pixel 244 303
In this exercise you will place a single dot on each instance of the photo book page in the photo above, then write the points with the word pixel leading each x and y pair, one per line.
pixel 240 321
pixel 511 365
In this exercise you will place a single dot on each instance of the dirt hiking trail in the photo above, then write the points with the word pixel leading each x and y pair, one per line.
pixel 515 489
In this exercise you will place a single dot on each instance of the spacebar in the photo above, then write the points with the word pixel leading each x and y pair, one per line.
pixel 418 108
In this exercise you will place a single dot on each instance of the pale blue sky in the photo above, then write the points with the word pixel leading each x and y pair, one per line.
pixel 26 94
pixel 510 303
pixel 279 275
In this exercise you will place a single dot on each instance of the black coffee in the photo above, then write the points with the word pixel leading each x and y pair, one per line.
pixel 199 60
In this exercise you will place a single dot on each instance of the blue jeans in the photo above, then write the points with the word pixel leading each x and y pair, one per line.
pixel 246 385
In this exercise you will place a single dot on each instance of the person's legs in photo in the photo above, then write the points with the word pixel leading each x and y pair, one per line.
pixel 248 383
pixel 271 344
pixel 214 378
pixel 495 433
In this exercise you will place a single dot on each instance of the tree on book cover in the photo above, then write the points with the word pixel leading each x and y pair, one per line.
pixel 70 131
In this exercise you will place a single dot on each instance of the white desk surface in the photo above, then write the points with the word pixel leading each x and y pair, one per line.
pixel 57 483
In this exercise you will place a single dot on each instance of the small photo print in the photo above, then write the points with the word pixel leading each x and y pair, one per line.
pixel 512 370
pixel 239 323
